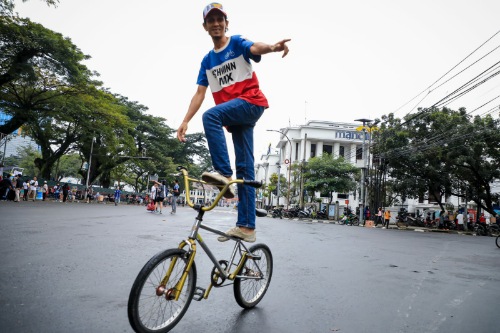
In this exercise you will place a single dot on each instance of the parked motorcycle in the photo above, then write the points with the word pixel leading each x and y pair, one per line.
pixel 305 213
pixel 322 214
pixel 277 212
pixel 291 213
pixel 349 219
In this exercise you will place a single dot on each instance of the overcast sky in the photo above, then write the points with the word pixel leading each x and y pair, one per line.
pixel 347 60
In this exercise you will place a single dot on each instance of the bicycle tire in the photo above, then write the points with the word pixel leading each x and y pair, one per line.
pixel 497 241
pixel 249 292
pixel 148 312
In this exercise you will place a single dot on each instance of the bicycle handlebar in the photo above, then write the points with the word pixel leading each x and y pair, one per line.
pixel 187 179
pixel 252 183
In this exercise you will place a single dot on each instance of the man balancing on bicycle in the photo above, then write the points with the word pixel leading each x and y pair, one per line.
pixel 239 104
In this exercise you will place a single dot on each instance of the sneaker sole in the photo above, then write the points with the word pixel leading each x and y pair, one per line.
pixel 229 194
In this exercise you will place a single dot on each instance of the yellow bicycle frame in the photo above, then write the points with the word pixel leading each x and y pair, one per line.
pixel 191 242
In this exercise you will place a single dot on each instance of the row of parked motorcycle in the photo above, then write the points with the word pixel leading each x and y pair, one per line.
pixel 310 212
pixel 481 229
pixel 297 212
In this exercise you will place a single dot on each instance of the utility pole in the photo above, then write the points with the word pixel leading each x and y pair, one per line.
pixel 363 173
pixel 301 194
pixel 279 176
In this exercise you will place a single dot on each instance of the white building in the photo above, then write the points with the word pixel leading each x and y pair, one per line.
pixel 300 143
pixel 16 142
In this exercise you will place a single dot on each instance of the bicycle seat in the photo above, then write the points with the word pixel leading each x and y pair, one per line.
pixel 260 212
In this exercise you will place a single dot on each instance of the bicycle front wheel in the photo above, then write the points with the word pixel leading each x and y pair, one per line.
pixel 498 241
pixel 152 306
pixel 254 277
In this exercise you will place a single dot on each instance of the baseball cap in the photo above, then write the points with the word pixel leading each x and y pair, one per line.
pixel 213 6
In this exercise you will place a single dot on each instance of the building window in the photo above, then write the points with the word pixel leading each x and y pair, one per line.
pixel 313 150
pixel 359 153
pixel 297 151
pixel 342 196
pixel 327 149
pixel 341 151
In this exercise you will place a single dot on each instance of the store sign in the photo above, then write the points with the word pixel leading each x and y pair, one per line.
pixel 351 135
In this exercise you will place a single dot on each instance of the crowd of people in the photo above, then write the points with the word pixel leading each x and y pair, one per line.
pixel 18 188
pixel 158 195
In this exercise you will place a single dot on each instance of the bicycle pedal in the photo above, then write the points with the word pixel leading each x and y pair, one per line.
pixel 198 294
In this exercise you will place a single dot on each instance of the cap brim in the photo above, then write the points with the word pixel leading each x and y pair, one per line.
pixel 223 12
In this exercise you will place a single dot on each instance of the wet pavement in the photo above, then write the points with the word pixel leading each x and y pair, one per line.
pixel 69 268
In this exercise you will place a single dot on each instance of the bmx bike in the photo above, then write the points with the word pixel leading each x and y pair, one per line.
pixel 165 286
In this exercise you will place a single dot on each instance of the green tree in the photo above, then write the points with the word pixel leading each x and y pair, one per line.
pixel 440 152
pixel 326 175
pixel 25 159
pixel 68 166
pixel 7 6
pixel 474 155
pixel 36 66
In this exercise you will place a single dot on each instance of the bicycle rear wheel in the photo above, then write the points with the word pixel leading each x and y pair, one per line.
pixel 250 288
pixel 151 305
pixel 498 241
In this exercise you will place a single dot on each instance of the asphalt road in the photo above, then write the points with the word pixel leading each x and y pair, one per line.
pixel 69 268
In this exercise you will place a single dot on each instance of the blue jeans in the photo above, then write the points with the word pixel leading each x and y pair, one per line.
pixel 174 204
pixel 239 117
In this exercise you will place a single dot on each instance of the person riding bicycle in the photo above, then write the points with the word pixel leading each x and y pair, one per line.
pixel 239 105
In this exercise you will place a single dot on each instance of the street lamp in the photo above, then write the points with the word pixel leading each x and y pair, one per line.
pixel 90 162
pixel 288 166
pixel 371 128
pixel 363 173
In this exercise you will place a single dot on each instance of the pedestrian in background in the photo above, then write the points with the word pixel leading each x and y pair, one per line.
pixel 45 190
pixel 441 219
pixel 175 194
pixel 460 221
pixel 387 217
pixel 5 187
pixel 379 217
pixel 118 194
pixel 25 190
pixel 33 188
pixel 161 194
pixel 65 191
pixel 152 195
pixel 89 193
pixel 56 189
pixel 367 213
pixel 18 187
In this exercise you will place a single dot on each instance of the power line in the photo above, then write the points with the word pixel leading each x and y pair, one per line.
pixel 430 86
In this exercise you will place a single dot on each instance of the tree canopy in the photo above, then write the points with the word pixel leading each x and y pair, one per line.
pixel 47 90
pixel 440 153
pixel 327 174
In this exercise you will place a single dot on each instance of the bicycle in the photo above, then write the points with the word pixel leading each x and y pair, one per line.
pixel 165 286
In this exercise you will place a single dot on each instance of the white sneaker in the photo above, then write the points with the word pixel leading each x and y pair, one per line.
pixel 383 227
pixel 220 181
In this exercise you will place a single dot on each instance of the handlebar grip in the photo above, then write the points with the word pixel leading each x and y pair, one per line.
pixel 253 183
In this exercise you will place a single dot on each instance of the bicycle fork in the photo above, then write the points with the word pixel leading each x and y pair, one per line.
pixel 174 293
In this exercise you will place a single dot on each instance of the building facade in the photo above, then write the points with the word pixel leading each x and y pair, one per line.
pixel 303 142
